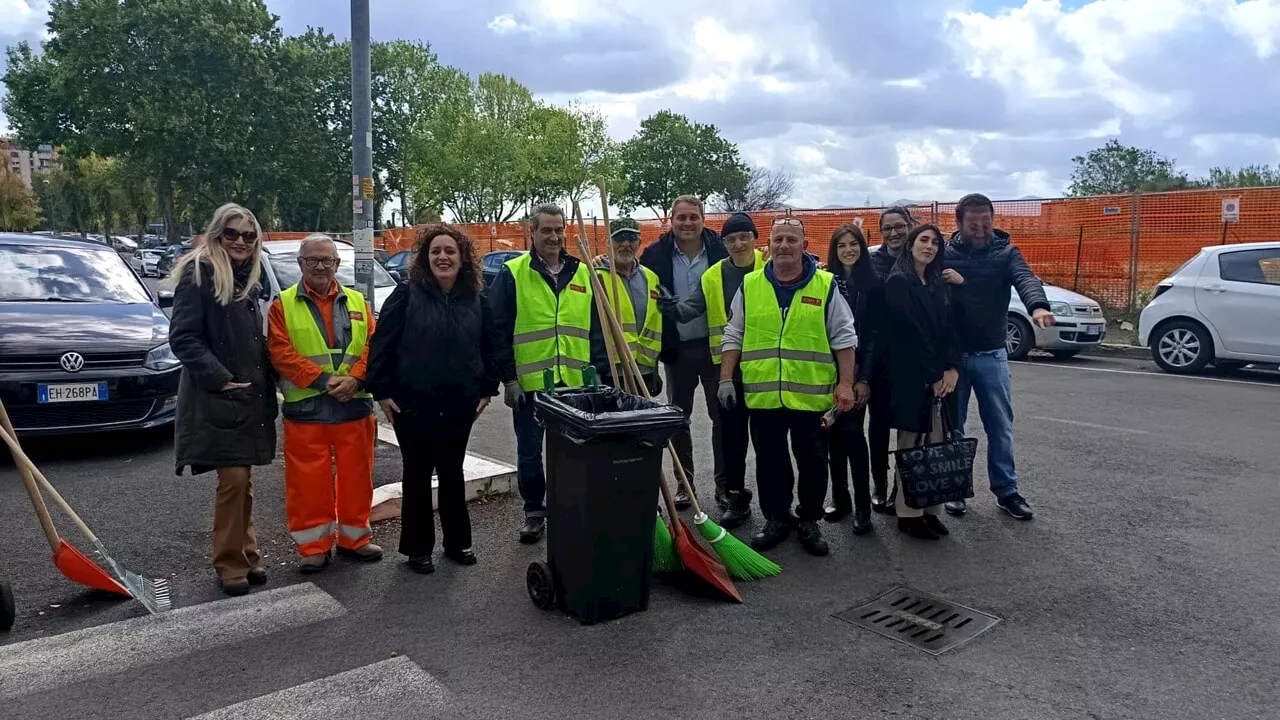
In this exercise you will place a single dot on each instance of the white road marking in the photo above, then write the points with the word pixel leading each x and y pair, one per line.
pixel 389 689
pixel 1274 386
pixel 46 663
pixel 1096 426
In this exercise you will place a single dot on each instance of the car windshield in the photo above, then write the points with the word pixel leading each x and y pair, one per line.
pixel 288 273
pixel 31 273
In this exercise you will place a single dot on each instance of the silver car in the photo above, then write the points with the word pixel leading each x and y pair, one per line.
pixel 1079 324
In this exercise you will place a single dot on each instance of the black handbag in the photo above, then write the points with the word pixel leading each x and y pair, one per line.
pixel 936 473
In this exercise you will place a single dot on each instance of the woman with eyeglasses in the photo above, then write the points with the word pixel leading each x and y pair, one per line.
pixel 432 369
pixel 923 356
pixel 226 397
pixel 848 260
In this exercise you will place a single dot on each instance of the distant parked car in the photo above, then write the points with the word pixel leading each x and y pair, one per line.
pixel 1222 307
pixel 170 256
pixel 146 262
pixel 280 271
pixel 492 263
pixel 1078 324
pixel 398 265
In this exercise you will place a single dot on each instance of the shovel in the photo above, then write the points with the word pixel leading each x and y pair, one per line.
pixel 73 564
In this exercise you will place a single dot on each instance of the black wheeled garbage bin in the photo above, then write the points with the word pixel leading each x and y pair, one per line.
pixel 604 458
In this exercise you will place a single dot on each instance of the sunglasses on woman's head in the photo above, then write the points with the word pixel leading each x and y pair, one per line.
pixel 248 237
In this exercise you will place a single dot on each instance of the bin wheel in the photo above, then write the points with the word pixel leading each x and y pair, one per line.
pixel 8 612
pixel 542 588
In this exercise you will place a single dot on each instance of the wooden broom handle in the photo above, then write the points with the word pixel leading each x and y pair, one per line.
pixel 25 463
pixel 29 482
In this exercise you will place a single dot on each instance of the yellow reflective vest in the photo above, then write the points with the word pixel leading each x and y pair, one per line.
pixel 552 331
pixel 786 360
pixel 645 342
pixel 717 311
pixel 309 338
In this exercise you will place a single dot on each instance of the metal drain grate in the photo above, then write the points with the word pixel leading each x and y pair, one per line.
pixel 923 622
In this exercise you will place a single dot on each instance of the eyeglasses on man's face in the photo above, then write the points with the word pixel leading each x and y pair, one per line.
pixel 325 263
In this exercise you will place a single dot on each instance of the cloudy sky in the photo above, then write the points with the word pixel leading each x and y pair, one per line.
pixel 874 99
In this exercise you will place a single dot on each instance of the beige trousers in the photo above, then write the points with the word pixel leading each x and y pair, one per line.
pixel 907 439
pixel 235 547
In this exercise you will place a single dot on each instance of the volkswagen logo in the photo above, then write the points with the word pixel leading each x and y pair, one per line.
pixel 71 362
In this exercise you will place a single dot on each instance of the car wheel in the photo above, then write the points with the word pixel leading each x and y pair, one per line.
pixel 1019 338
pixel 1181 346
pixel 1064 354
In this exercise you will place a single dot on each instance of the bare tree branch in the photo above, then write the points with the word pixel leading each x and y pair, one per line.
pixel 763 189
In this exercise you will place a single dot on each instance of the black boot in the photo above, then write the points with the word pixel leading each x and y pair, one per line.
pixel 422 564
pixel 879 501
pixel 774 532
pixel 811 538
pixel 916 528
pixel 739 509
pixel 532 530
pixel 862 522
pixel 682 500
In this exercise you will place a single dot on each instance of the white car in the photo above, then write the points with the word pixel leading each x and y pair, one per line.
pixel 280 270
pixel 1222 307
pixel 1078 324
pixel 144 262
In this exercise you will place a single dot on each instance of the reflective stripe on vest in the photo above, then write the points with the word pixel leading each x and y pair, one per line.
pixel 552 331
pixel 786 361
pixel 310 338
pixel 717 310
pixel 647 343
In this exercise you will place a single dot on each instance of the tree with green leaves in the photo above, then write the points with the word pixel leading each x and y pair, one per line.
pixel 760 189
pixel 671 156
pixel 1115 168
pixel 596 156
pixel 18 208
pixel 63 194
pixel 1250 176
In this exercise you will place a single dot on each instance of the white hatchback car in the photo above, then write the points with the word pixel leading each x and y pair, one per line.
pixel 1078 324
pixel 1222 307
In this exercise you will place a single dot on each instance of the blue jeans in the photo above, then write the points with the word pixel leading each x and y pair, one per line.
pixel 530 477
pixel 986 374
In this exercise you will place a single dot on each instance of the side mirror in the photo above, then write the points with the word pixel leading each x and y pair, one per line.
pixel 164 299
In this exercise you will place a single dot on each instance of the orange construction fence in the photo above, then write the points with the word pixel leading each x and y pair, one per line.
pixel 1113 248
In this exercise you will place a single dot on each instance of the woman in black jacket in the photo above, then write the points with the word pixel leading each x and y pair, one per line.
pixel 226 398
pixel 922 355
pixel 848 260
pixel 431 368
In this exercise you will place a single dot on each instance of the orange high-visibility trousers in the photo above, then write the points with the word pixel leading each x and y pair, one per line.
pixel 317 511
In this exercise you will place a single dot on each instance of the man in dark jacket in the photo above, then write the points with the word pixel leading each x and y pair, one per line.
pixel 990 266
pixel 679 258
pixel 569 279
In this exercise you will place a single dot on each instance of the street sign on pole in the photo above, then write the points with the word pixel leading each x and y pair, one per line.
pixel 361 149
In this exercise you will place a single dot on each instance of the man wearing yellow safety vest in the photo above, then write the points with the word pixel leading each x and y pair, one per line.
pixel 719 284
pixel 791 333
pixel 636 303
pixel 319 343
pixel 543 319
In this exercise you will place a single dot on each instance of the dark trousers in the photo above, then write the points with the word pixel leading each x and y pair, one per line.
pixel 847 448
pixel 735 438
pixel 774 479
pixel 693 367
pixel 530 475
pixel 878 433
pixel 434 441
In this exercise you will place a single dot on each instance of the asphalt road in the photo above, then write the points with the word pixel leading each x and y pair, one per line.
pixel 1142 589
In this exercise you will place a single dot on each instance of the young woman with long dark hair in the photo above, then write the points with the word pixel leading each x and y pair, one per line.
pixel 923 356
pixel 431 369
pixel 849 261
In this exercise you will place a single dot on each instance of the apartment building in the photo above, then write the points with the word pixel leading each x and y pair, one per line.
pixel 26 163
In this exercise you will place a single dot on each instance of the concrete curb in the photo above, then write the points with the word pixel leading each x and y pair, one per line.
pixel 485 478
pixel 1126 351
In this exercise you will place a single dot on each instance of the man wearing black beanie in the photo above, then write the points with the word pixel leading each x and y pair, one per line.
pixel 712 297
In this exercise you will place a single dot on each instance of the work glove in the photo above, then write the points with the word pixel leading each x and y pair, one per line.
pixel 727 395
pixel 667 303
pixel 512 395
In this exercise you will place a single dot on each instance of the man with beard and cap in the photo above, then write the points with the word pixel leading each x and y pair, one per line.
pixel 544 318
pixel 634 300
pixel 989 266
pixel 791 333
pixel 712 298
pixel 680 257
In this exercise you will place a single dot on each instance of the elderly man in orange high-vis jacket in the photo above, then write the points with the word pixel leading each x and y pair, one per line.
pixel 319 341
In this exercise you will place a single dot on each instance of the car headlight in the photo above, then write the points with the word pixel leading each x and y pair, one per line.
pixel 1060 308
pixel 161 357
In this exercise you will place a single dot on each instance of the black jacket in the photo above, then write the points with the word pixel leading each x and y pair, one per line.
pixel 919 344
pixel 218 344
pixel 502 302
pixel 432 347
pixel 882 262
pixel 982 302
pixel 866 300
pixel 660 258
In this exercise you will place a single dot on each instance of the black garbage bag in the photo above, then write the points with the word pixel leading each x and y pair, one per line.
pixel 584 415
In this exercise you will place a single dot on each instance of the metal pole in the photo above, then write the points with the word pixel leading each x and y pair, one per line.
pixel 361 149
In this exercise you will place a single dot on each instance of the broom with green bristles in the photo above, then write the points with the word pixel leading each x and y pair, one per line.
pixel 665 559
